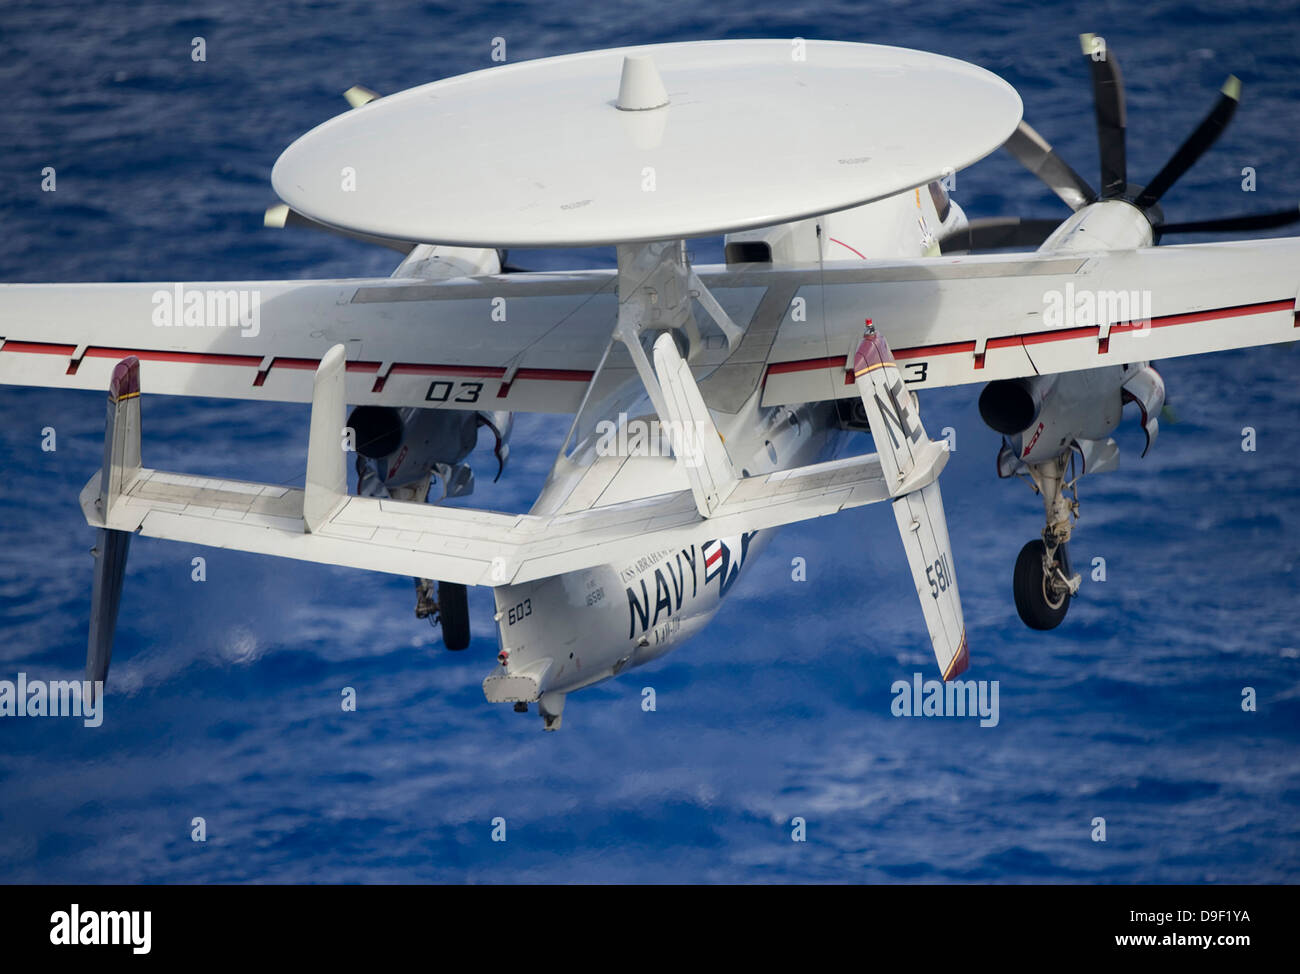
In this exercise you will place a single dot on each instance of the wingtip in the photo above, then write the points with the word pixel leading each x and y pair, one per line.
pixel 1232 87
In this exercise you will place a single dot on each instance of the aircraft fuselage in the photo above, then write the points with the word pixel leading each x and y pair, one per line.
pixel 572 630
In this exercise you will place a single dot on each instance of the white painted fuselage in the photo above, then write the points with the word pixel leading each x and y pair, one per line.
pixel 566 632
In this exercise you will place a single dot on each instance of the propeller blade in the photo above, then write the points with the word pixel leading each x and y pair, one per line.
pixel 280 216
pixel 503 258
pixel 994 233
pixel 1196 144
pixel 1108 101
pixel 359 95
pixel 1033 152
pixel 1254 221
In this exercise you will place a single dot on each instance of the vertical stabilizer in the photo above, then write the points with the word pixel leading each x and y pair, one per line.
pixel 121 433
pixel 895 421
pixel 691 430
pixel 906 454
pixel 327 472
pixel 121 464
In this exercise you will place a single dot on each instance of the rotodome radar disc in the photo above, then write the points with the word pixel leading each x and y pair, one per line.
pixel 583 150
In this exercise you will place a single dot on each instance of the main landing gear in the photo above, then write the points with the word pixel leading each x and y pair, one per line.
pixel 444 603
pixel 450 609
pixel 1043 583
pixel 1041 586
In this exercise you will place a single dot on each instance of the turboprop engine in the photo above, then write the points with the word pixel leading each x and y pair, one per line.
pixel 1047 423
pixel 1045 417
pixel 399 451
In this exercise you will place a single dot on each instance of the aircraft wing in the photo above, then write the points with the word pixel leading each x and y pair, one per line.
pixel 952 321
pixel 481 343
pixel 532 342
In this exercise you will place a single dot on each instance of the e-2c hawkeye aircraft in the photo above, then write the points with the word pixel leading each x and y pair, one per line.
pixel 850 283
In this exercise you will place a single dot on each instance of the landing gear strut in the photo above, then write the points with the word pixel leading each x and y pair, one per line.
pixel 1043 583
pixel 450 609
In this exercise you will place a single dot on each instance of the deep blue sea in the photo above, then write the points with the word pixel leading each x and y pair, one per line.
pixel 224 695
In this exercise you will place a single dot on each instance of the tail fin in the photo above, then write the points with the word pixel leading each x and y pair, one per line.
pixel 895 422
pixel 910 461
pixel 695 439
pixel 121 464
pixel 105 598
pixel 924 531
pixel 327 472
pixel 326 487
pixel 121 433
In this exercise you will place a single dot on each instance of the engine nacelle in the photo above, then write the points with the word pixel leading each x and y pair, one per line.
pixel 377 430
pixel 915 222
pixel 1044 417
pixel 1145 387
pixel 398 449
pixel 1010 406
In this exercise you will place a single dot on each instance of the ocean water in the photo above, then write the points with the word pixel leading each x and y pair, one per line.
pixel 225 694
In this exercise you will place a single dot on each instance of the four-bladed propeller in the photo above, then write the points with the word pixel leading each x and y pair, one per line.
pixel 1037 155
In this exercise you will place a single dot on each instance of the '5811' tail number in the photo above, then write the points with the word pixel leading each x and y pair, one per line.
pixel 939 575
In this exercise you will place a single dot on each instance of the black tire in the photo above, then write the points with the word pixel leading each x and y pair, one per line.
pixel 1033 598
pixel 453 615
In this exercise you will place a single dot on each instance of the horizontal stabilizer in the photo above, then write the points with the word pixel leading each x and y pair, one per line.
pixel 462 545
pixel 470 546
